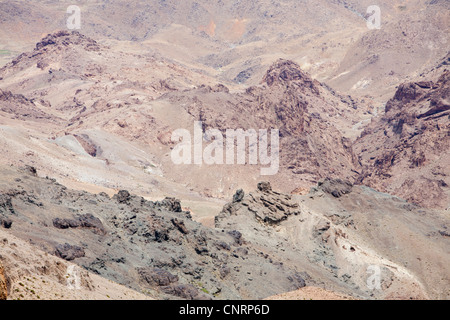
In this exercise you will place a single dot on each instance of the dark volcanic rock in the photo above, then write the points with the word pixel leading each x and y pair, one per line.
pixel 123 196
pixel 30 170
pixel 170 204
pixel 286 71
pixel 91 222
pixel 271 207
pixel 238 196
pixel 67 38
pixel 335 187
pixel 5 223
pixel 157 277
pixel 264 187
pixel 81 221
pixel 237 236
pixel 65 223
pixel 69 252
pixel 6 204
pixel 244 75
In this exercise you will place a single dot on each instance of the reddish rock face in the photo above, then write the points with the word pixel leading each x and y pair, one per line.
pixel 405 152
pixel 306 112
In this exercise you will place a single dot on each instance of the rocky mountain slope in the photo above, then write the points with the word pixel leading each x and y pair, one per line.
pixel 406 150
pixel 264 243
pixel 113 117
pixel 238 41
pixel 99 108
pixel 312 120
pixel 345 230
pixel 361 184
pixel 153 247
pixel 27 273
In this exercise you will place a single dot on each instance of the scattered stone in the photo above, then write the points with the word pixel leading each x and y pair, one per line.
pixel 223 245
pixel 224 271
pixel 65 223
pixel 297 280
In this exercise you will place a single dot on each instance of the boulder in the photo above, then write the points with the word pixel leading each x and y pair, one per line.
pixel 156 277
pixel 123 196
pixel 264 187
pixel 87 221
pixel 336 187
pixel 90 222
pixel 239 195
pixel 69 252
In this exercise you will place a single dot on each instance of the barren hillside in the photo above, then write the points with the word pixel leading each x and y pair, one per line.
pixel 225 149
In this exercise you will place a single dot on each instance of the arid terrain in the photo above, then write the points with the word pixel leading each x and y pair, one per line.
pixel 88 181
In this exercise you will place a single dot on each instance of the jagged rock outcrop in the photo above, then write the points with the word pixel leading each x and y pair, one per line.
pixel 67 38
pixel 267 205
pixel 5 222
pixel 340 227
